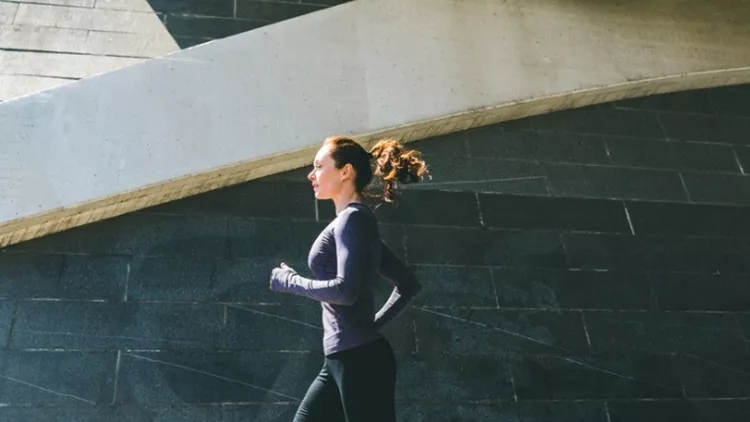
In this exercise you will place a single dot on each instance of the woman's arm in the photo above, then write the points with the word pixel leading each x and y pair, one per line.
pixel 351 234
pixel 406 287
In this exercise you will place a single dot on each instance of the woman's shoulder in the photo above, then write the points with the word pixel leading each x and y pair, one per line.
pixel 356 215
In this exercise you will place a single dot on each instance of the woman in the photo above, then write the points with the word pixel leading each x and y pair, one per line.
pixel 358 379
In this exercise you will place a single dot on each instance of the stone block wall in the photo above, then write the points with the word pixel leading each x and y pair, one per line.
pixel 588 265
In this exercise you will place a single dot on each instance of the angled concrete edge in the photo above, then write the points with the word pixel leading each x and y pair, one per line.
pixel 261 102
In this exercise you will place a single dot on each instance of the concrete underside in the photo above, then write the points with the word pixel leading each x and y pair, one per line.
pixel 581 266
pixel 260 102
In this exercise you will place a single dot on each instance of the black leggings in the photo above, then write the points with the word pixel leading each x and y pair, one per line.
pixel 355 385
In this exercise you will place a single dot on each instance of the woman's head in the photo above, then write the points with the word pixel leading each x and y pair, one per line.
pixel 342 166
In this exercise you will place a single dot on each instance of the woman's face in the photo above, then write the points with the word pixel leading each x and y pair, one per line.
pixel 326 179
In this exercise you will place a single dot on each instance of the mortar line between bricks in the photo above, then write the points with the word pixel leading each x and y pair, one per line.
pixel 551 346
pixel 498 329
pixel 127 282
pixel 570 269
pixel 549 190
pixel 607 371
pixel 283 318
pixel 737 159
pixel 683 113
pixel 544 171
pixel 57 393
pixel 606 412
pixel 512 382
pixel 465 182
pixel 606 150
pixel 565 248
pixel 12 326
pixel 234 381
pixel 117 376
pixel 494 287
pixel 625 137
pixel 100 351
pixel 739 327
pixel 586 329
pixel 479 209
pixel 684 186
pixel 576 310
pixel 95 336
pixel 627 215
pixel 609 166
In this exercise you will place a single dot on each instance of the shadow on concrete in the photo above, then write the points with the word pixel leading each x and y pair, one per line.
pixel 193 22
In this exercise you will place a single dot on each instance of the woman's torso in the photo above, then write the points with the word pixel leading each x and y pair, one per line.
pixel 345 327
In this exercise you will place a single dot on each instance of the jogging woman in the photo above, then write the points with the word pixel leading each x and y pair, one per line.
pixel 358 379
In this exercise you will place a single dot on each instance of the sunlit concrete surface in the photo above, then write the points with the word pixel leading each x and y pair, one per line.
pixel 47 43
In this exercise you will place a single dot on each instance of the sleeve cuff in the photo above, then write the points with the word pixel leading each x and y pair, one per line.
pixel 281 279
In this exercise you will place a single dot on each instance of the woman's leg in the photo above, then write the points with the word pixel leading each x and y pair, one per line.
pixel 366 377
pixel 322 402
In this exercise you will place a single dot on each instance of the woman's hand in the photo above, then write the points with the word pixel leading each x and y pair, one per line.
pixel 280 277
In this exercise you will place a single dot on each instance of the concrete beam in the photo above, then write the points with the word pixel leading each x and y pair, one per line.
pixel 261 102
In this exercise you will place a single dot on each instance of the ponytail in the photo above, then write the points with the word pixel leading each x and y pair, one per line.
pixel 388 160
pixel 393 164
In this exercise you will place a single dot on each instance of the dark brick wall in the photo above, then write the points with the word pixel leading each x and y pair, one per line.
pixel 193 22
pixel 588 265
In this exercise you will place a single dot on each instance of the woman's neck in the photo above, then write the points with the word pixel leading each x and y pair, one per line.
pixel 344 200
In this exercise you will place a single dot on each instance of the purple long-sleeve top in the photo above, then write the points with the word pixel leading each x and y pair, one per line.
pixel 346 259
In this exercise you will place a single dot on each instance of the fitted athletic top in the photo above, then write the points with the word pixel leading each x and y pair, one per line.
pixel 346 259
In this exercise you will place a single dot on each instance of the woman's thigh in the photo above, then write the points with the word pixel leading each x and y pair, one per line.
pixel 322 402
pixel 367 382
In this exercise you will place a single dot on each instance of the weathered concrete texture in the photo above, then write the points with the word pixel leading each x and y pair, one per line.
pixel 73 66
pixel 367 68
pixel 19 85
pixel 111 34
pixel 33 33
pixel 579 294
pixel 81 41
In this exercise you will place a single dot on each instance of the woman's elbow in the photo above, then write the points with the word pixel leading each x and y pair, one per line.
pixel 347 295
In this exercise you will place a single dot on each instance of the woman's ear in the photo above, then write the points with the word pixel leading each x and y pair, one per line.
pixel 347 171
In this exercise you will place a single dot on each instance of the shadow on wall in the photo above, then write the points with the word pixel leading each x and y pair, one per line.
pixel 193 22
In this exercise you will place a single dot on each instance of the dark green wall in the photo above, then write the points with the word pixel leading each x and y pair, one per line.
pixel 588 265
